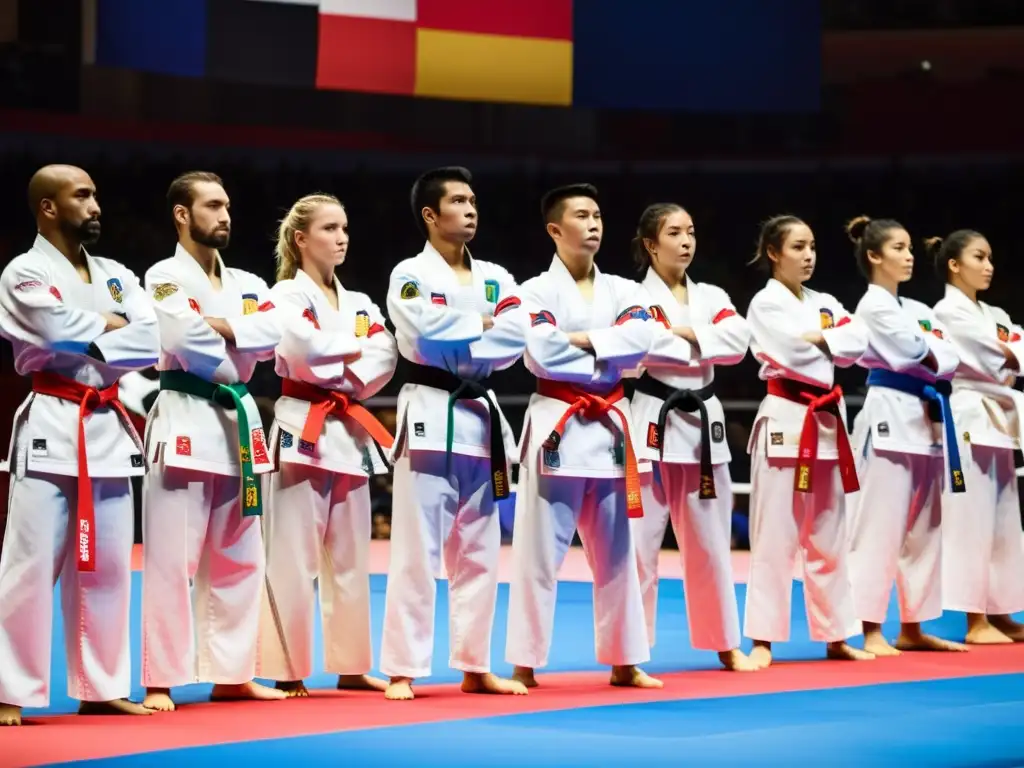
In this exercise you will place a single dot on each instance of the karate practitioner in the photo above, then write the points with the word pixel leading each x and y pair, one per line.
pixel 334 352
pixel 206 446
pixel 899 438
pixel 801 462
pixel 76 323
pixel 457 320
pixel 983 555
pixel 578 467
pixel 680 426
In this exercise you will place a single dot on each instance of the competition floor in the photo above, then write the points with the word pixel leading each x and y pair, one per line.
pixel 928 709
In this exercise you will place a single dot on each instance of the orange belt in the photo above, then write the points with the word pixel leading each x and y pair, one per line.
pixel 324 402
pixel 88 399
pixel 817 399
pixel 592 407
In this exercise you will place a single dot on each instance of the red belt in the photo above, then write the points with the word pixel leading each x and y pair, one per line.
pixel 593 407
pixel 324 402
pixel 88 399
pixel 817 399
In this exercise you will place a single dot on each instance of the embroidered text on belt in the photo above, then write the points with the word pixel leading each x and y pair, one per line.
pixel 324 402
pixel 88 400
pixel 467 389
pixel 592 407
pixel 817 399
pixel 228 396
pixel 936 395
pixel 688 401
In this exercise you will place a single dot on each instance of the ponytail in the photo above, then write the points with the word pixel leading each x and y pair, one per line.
pixel 648 228
pixel 297 219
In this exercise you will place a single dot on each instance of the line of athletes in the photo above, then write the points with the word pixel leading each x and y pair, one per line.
pixel 230 557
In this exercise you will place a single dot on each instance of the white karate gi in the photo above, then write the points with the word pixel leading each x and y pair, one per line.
pixel 785 522
pixel 581 483
pixel 702 526
pixel 983 555
pixel 316 522
pixel 53 321
pixel 445 504
pixel 895 519
pixel 194 528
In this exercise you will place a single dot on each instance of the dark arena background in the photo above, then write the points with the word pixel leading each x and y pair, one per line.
pixel 736 109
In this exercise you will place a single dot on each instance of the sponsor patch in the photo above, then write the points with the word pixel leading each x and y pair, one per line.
pixel 883 429
pixel 116 291
pixel 183 446
pixel 194 305
pixel 362 323
pixel 439 299
pixel 259 447
pixel 491 291
pixel 828 320
pixel 776 438
pixel 410 290
pixel 652 435
pixel 250 304
pixel 552 459
pixel 717 432
pixel 162 290
pixel 137 460
pixel 39 446
pixel 539 318
pixel 419 429
pixel 28 285
pixel 286 439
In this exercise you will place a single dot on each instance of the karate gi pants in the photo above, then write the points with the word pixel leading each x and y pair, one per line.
pixel 40 547
pixel 193 530
pixel 982 548
pixel 549 509
pixel 316 525
pixel 435 512
pixel 896 535
pixel 783 524
pixel 703 530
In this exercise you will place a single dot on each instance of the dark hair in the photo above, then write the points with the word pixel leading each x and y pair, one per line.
pixel 869 236
pixel 648 228
pixel 951 248
pixel 552 204
pixel 429 189
pixel 773 235
pixel 182 189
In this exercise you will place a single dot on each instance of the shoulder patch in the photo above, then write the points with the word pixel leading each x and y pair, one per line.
pixel 310 314
pixel 116 290
pixel 539 318
pixel 926 325
pixel 250 304
pixel 362 323
pixel 636 312
pixel 438 298
pixel 492 290
pixel 509 302
pixel 658 315
pixel 827 318
pixel 725 314
pixel 1002 332
pixel 410 290
pixel 162 290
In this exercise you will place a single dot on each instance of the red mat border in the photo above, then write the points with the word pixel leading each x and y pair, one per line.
pixel 71 738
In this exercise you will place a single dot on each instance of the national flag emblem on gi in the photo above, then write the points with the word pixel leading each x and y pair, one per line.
pixel 438 298
pixel 926 325
pixel 194 306
pixel 116 292
pixel 491 290
pixel 183 446
pixel 362 323
pixel 250 304
pixel 827 318
pixel 162 290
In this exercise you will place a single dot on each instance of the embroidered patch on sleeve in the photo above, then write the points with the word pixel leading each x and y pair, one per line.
pixel 266 306
pixel 725 314
pixel 374 329
pixel 542 317
pixel 491 291
pixel 194 305
pixel 362 323
pixel 828 320
pixel 310 314
pixel 438 298
pixel 658 314
pixel 635 312
pixel 55 293
pixel 162 290
pixel 509 302
pixel 250 304
pixel 410 290
pixel 116 291
pixel 28 285
pixel 1002 332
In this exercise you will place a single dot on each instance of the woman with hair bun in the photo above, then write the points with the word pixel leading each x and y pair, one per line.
pixel 802 466
pixel 983 552
pixel 905 441
pixel 334 352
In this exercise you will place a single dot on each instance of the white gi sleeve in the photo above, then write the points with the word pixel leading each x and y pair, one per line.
pixel 137 345
pixel 503 343
pixel 33 312
pixel 946 358
pixel 777 340
pixel 848 339
pixel 723 341
pixel 303 345
pixel 375 366
pixel 666 347
pixel 625 344
pixel 257 333
pixel 184 334
pixel 976 347
pixel 549 355
pixel 420 320
pixel 896 342
pixel 1014 334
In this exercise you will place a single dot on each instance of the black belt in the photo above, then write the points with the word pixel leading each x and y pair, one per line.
pixel 688 401
pixel 467 389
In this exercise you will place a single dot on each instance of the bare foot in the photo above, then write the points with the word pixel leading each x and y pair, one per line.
pixel 159 700
pixel 251 691
pixel 761 654
pixel 981 632
pixel 361 683
pixel 293 689
pixel 632 676
pixel 525 676
pixel 474 682
pixel 10 715
pixel 1009 627
pixel 845 652
pixel 919 641
pixel 115 707
pixel 875 642
pixel 400 689
pixel 737 661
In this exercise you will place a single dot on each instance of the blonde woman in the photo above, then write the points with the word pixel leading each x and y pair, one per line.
pixel 334 352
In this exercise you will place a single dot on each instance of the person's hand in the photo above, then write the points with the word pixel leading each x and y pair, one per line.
pixel 580 339
pixel 488 322
pixel 114 321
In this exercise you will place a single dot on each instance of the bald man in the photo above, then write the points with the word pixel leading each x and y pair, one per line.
pixel 77 323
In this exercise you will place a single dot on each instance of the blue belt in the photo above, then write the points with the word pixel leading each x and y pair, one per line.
pixel 937 393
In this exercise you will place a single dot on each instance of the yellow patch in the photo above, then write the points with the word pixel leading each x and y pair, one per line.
pixel 244 452
pixel 804 479
pixel 410 290
pixel 362 323
pixel 250 496
pixel 250 306
pixel 958 479
pixel 162 290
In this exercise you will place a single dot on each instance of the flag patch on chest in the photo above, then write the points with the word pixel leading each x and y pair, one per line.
pixel 438 298
pixel 828 320
pixel 250 304
pixel 362 322
pixel 491 290
pixel 183 446
pixel 116 291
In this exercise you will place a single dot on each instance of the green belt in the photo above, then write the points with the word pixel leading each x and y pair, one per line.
pixel 228 396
